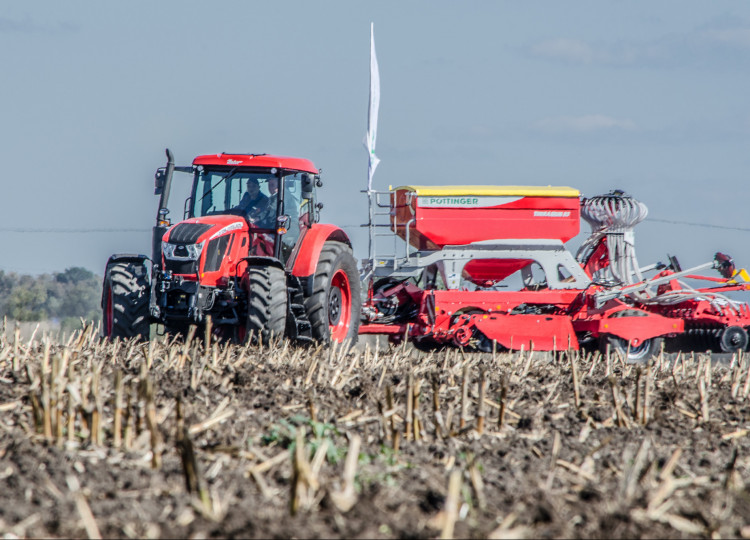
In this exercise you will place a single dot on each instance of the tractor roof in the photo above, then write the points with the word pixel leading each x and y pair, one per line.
pixel 257 160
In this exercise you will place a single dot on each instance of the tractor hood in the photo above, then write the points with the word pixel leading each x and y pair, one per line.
pixel 208 248
pixel 197 230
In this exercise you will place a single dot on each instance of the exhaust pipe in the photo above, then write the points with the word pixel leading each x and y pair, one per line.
pixel 162 186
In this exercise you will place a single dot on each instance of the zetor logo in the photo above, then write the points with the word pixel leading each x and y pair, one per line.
pixel 234 161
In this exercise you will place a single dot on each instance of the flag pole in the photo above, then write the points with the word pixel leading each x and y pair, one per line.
pixel 370 138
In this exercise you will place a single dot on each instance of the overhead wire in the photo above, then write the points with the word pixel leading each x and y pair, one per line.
pixel 89 230
pixel 693 224
pixel 70 230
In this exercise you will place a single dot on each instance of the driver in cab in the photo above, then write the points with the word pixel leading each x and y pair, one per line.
pixel 253 203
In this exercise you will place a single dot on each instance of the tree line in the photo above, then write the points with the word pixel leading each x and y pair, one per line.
pixel 64 296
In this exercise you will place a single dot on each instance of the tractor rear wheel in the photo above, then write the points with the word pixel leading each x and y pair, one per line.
pixel 125 301
pixel 333 308
pixel 266 303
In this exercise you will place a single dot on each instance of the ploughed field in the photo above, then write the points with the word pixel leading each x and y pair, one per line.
pixel 166 439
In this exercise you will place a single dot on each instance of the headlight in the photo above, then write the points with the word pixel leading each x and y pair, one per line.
pixel 182 252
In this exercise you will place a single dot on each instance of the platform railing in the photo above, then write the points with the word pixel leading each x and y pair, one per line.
pixel 383 216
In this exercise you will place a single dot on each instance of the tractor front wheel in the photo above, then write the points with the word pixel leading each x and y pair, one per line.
pixel 333 308
pixel 125 301
pixel 266 303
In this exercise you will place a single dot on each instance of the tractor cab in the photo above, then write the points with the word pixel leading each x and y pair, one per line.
pixel 273 195
pixel 275 203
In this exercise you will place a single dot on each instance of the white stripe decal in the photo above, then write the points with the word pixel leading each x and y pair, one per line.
pixel 234 226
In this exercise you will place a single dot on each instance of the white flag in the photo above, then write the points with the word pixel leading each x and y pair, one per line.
pixel 372 113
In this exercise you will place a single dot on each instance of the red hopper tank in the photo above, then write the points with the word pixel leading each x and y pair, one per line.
pixel 438 216
pixel 432 217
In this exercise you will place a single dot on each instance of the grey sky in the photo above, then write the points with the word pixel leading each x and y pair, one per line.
pixel 647 97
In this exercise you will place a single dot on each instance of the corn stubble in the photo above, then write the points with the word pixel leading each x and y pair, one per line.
pixel 279 440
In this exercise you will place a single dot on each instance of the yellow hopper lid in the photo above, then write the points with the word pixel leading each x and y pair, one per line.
pixel 490 191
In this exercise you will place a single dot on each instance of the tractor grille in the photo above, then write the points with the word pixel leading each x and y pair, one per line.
pixel 181 267
pixel 187 233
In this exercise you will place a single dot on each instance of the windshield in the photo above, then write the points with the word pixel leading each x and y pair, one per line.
pixel 251 194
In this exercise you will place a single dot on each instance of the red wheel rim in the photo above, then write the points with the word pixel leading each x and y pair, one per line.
pixel 108 314
pixel 339 306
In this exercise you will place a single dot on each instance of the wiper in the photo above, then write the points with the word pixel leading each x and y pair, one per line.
pixel 228 175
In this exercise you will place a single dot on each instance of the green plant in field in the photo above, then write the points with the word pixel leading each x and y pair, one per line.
pixel 467 495
pixel 384 475
pixel 390 456
pixel 284 434
pixel 280 434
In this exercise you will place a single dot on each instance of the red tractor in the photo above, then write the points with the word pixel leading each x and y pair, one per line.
pixel 249 253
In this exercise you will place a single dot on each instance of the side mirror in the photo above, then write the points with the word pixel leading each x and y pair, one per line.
pixel 163 219
pixel 159 180
pixel 308 186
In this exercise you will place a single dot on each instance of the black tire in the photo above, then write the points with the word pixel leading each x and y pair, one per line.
pixel 733 339
pixel 266 303
pixel 334 306
pixel 125 301
pixel 639 354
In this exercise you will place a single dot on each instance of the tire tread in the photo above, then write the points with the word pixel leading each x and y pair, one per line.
pixel 267 302
pixel 130 300
pixel 333 256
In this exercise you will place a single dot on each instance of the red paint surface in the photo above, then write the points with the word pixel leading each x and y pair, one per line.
pixel 250 160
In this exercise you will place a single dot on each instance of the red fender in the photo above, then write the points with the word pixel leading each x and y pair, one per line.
pixel 637 329
pixel 306 260
pixel 537 332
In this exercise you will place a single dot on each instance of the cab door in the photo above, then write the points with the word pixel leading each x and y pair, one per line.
pixel 299 204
